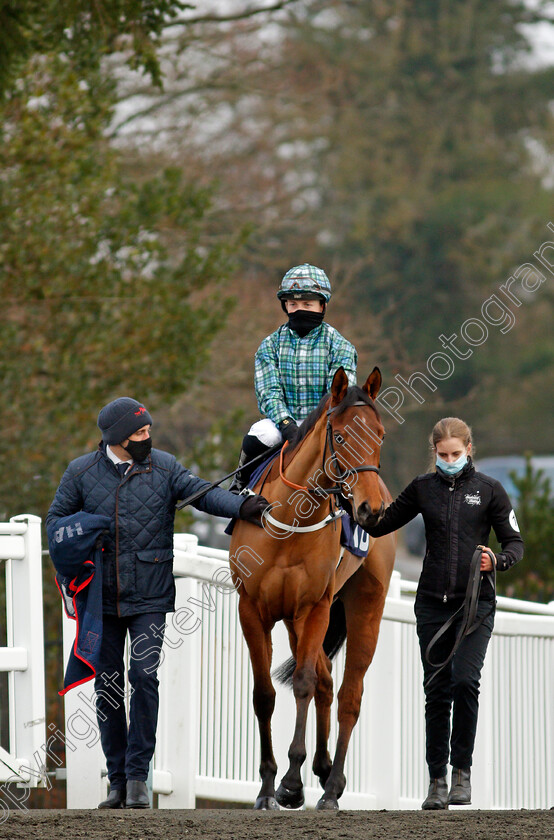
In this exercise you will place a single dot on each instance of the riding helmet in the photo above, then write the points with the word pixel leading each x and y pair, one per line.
pixel 305 282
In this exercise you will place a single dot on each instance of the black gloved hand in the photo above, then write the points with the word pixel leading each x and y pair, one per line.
pixel 252 508
pixel 289 430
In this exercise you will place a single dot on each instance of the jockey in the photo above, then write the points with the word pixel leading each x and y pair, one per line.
pixel 295 365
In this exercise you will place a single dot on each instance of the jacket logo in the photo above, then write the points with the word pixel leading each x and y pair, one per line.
pixel 513 521
pixel 140 411
pixel 69 531
pixel 472 499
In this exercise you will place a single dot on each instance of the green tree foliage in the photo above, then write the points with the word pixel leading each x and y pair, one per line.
pixel 105 282
pixel 533 578
pixel 85 32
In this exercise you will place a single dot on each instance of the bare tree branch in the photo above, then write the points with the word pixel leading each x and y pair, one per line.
pixel 247 13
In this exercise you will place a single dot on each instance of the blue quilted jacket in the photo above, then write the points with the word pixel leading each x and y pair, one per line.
pixel 138 554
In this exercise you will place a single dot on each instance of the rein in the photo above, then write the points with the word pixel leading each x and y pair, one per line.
pixel 282 474
pixel 469 608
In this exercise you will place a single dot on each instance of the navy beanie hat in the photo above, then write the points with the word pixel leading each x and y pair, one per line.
pixel 121 418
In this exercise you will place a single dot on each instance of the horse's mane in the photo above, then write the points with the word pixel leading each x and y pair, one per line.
pixel 354 394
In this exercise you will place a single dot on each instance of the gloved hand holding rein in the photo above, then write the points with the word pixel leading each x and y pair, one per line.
pixel 289 430
pixel 252 509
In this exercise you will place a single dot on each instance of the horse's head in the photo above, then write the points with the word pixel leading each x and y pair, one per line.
pixel 354 437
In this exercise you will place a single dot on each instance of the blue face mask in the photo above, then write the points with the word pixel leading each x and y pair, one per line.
pixel 452 468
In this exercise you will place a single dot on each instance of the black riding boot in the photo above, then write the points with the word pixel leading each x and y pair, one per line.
pixel 239 482
pixel 251 448
pixel 116 799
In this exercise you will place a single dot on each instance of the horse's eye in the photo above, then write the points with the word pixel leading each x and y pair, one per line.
pixel 339 438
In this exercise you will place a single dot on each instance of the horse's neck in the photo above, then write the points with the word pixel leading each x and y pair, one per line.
pixel 305 469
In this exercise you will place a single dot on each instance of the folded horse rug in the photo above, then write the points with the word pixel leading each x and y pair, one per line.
pixel 75 544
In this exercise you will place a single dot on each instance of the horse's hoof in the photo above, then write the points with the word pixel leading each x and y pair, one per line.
pixel 327 804
pixel 289 798
pixel 266 803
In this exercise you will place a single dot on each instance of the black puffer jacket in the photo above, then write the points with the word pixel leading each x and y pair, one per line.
pixel 138 554
pixel 458 513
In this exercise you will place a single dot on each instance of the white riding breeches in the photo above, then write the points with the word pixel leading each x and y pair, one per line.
pixel 267 432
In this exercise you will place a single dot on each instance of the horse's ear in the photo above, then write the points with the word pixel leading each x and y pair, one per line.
pixel 373 383
pixel 339 387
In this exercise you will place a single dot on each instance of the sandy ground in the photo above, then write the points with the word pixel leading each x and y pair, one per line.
pixel 250 825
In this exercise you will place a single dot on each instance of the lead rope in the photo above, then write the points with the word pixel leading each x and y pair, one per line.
pixel 471 601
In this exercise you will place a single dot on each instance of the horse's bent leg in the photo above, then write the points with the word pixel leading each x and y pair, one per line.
pixel 363 603
pixel 323 699
pixel 258 639
pixel 310 634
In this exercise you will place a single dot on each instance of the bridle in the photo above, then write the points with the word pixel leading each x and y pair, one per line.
pixel 337 492
pixel 339 474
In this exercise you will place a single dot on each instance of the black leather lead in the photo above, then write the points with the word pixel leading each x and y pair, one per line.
pixel 469 607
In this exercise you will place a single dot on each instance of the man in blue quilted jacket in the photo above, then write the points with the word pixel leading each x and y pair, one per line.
pixel 137 487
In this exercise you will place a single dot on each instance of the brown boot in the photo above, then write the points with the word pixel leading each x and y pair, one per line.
pixel 460 791
pixel 437 796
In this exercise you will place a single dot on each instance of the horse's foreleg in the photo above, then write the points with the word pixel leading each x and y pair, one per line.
pixel 310 633
pixel 258 639
pixel 323 699
pixel 363 602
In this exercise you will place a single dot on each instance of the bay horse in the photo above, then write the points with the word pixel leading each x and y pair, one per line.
pixel 290 570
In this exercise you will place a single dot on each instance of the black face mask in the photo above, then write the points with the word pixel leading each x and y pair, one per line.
pixel 139 450
pixel 304 320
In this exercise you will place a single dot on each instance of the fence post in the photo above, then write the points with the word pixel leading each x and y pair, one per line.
pixel 25 630
pixel 482 795
pixel 383 686
pixel 176 757
pixel 84 759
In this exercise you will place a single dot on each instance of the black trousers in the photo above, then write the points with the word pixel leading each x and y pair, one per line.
pixel 129 749
pixel 453 695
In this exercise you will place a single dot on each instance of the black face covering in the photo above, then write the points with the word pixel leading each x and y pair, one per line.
pixel 304 320
pixel 139 450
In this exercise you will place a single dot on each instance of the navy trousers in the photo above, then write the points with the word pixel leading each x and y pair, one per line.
pixel 129 749
pixel 454 692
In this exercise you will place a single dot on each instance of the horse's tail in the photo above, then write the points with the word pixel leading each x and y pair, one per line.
pixel 334 640
pixel 336 632
pixel 283 673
